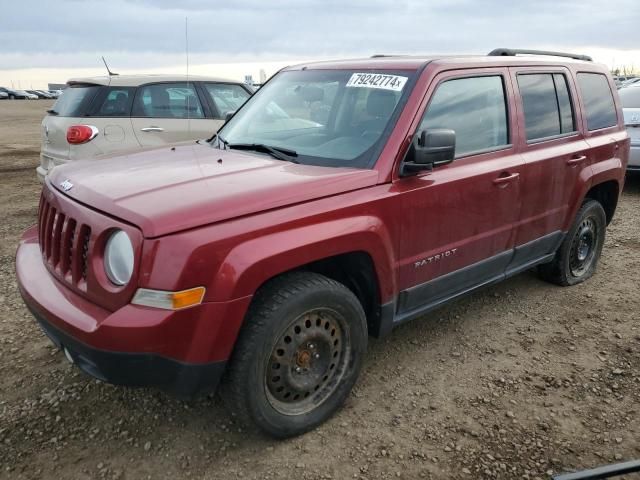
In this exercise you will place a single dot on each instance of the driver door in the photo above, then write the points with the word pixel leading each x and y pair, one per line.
pixel 458 221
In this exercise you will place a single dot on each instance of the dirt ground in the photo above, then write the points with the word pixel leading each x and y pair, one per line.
pixel 521 380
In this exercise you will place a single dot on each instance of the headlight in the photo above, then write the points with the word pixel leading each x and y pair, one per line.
pixel 118 258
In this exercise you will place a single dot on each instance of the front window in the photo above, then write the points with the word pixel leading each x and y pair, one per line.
pixel 323 117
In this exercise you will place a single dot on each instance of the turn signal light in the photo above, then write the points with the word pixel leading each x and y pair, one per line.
pixel 169 300
pixel 77 134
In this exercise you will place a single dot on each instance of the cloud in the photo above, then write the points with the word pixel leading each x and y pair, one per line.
pixel 150 33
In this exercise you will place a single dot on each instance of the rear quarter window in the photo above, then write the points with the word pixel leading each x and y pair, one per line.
pixel 113 102
pixel 598 101
pixel 75 100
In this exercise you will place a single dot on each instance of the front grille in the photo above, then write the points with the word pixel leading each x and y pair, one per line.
pixel 64 243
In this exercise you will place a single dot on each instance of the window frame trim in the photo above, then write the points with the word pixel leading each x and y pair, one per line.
pixel 459 75
pixel 549 138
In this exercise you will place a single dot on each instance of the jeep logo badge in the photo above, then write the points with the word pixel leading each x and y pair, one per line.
pixel 66 185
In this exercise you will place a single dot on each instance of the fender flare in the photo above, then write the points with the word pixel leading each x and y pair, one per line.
pixel 250 264
pixel 596 174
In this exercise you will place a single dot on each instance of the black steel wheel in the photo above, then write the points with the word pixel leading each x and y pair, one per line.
pixel 578 255
pixel 298 354
pixel 307 362
pixel 583 247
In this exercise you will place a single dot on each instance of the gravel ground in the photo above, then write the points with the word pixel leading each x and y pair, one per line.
pixel 518 381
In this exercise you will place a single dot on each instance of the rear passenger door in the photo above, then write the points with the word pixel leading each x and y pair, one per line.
pixel 169 112
pixel 555 153
pixel 110 112
pixel 457 221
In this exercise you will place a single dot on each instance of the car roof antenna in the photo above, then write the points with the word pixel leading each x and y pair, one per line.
pixel 107 67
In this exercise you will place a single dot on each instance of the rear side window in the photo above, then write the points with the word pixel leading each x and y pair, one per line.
pixel 475 108
pixel 630 97
pixel 547 105
pixel 167 100
pixel 75 100
pixel 598 101
pixel 114 102
pixel 226 98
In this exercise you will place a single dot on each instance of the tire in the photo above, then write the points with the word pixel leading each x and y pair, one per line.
pixel 297 356
pixel 578 255
pixel 12 97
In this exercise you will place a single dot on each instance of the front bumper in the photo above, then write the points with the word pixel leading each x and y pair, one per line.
pixel 182 352
pixel 134 369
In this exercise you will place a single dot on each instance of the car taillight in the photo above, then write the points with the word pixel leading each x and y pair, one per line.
pixel 77 134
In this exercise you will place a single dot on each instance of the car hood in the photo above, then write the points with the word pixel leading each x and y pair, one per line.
pixel 169 189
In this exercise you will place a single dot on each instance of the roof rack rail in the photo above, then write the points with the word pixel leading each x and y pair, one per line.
pixel 385 55
pixel 512 52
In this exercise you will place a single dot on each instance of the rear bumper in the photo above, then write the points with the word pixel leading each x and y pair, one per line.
pixel 634 158
pixel 41 173
pixel 181 352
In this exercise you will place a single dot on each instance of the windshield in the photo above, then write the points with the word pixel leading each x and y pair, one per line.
pixel 324 117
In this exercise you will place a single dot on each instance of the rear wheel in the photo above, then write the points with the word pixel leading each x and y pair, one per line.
pixel 578 256
pixel 298 355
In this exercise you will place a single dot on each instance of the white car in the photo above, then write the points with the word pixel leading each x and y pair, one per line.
pixel 630 98
pixel 98 116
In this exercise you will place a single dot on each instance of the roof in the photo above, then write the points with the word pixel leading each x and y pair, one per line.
pixel 411 62
pixel 135 80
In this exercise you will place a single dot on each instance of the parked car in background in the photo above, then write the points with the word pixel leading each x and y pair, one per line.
pixel 38 94
pixel 342 200
pixel 102 115
pixel 630 98
pixel 631 81
pixel 3 95
pixel 15 94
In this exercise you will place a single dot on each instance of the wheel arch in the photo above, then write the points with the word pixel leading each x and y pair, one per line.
pixel 356 253
pixel 607 194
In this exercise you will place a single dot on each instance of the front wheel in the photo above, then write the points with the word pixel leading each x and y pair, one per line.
pixel 298 354
pixel 578 256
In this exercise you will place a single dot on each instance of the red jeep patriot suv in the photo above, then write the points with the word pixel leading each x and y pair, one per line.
pixel 341 200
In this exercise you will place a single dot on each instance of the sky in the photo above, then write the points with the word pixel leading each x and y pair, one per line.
pixel 51 41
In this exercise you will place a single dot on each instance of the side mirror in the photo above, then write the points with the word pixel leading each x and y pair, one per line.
pixel 228 116
pixel 431 148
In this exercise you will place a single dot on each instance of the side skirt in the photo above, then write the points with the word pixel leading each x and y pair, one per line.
pixel 416 301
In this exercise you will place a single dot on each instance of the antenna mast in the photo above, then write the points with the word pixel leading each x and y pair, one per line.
pixel 107 67
pixel 186 48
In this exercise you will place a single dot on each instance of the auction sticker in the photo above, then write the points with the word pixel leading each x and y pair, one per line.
pixel 377 80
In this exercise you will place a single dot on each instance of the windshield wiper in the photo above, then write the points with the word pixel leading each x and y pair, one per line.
pixel 276 152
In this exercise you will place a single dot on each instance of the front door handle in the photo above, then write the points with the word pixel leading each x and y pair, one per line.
pixel 152 129
pixel 576 160
pixel 503 180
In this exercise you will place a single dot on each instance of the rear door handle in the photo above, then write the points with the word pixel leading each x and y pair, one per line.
pixel 504 180
pixel 576 160
pixel 152 129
